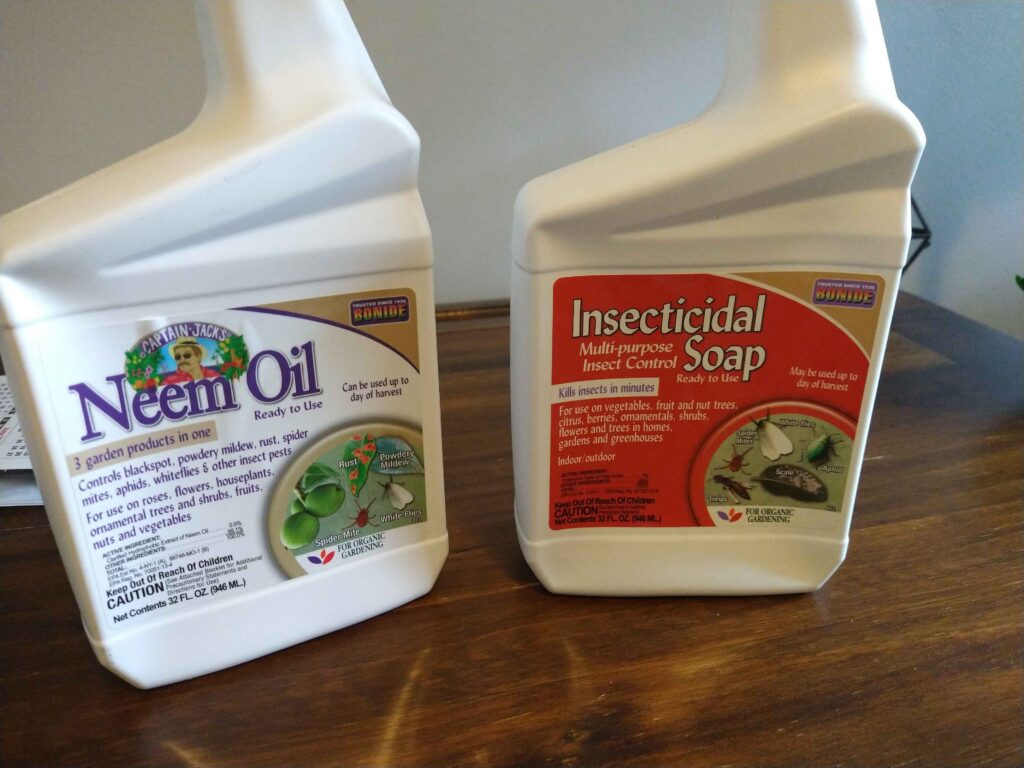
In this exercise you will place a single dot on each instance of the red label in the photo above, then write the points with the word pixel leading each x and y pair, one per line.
pixel 684 400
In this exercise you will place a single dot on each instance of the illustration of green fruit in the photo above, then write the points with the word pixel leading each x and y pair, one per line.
pixel 299 529
pixel 295 507
pixel 324 500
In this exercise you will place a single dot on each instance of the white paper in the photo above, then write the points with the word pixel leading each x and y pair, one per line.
pixel 17 483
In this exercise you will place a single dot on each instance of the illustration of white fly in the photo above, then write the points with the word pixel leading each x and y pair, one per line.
pixel 772 439
pixel 397 495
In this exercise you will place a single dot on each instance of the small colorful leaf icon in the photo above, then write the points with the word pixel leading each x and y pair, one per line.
pixel 723 516
pixel 324 558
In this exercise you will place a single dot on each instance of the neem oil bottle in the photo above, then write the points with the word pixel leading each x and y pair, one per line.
pixel 223 353
pixel 699 320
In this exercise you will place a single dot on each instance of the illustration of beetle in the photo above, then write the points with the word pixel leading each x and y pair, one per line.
pixel 735 463
pixel 734 488
pixel 772 439
pixel 821 449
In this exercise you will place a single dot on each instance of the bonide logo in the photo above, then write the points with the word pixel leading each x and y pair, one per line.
pixel 731 516
pixel 845 293
pixel 387 309
pixel 189 369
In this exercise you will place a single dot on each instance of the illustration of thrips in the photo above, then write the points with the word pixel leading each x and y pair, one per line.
pixel 735 489
pixel 771 438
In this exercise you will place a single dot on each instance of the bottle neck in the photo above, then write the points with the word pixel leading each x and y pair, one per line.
pixel 801 50
pixel 261 51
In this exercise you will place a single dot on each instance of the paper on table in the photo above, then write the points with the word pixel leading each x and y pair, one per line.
pixel 13 453
pixel 17 483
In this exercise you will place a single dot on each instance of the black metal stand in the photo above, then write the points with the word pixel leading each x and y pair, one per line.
pixel 922 234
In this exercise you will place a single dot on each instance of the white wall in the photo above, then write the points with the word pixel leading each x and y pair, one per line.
pixel 501 91
pixel 959 65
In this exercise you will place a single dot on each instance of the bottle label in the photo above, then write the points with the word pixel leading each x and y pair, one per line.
pixel 219 453
pixel 708 400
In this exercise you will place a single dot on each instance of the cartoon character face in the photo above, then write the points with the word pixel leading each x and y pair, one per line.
pixel 188 354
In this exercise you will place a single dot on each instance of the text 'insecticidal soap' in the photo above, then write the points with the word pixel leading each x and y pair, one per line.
pixel 224 357
pixel 699 320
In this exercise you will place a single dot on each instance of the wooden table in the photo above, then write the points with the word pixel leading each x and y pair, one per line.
pixel 910 655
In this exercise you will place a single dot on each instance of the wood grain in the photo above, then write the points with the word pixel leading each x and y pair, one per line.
pixel 910 655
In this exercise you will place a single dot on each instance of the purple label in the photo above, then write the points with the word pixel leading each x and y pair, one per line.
pixel 837 292
pixel 390 309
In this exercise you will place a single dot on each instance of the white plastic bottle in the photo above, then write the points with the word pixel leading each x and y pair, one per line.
pixel 224 358
pixel 699 318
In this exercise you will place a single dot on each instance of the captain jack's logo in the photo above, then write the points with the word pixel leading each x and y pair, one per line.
pixel 189 369
pixel 185 352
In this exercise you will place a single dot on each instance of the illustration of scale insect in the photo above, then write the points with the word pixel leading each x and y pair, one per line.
pixel 771 438
pixel 735 463
pixel 794 482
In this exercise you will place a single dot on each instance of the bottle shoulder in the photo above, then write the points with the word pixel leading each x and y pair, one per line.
pixel 225 164
pixel 715 179
pixel 222 203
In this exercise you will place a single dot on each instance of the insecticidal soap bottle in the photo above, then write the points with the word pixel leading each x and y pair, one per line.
pixel 699 318
pixel 224 357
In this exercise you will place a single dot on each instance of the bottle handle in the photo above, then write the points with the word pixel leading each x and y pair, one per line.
pixel 800 50
pixel 275 52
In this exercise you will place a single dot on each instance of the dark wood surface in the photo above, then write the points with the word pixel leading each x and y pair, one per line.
pixel 910 655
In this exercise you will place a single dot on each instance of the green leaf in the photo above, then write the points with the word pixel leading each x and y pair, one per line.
pixel 143 370
pixel 235 356
pixel 318 474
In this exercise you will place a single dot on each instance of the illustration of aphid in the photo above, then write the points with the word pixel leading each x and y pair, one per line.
pixel 398 495
pixel 735 463
pixel 771 438
pixel 734 488
pixel 821 449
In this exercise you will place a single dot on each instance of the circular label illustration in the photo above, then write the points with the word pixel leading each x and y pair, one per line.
pixel 337 499
pixel 784 462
